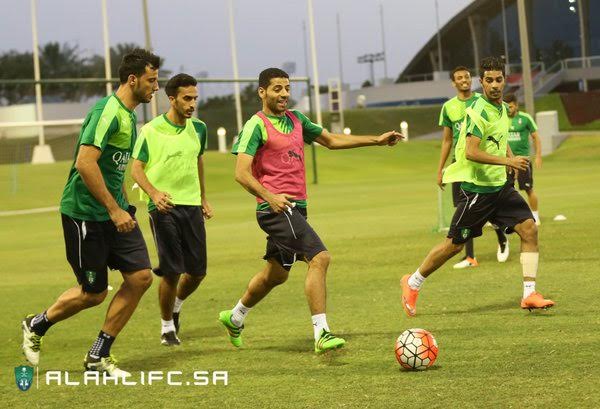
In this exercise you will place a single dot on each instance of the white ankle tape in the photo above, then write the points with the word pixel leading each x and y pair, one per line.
pixel 530 262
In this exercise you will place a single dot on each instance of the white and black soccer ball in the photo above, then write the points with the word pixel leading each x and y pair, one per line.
pixel 416 349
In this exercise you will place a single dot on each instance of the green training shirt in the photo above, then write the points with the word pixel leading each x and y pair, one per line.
pixel 254 135
pixel 489 122
pixel 521 126
pixel 453 113
pixel 171 154
pixel 110 127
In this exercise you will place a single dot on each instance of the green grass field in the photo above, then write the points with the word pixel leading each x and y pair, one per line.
pixel 375 209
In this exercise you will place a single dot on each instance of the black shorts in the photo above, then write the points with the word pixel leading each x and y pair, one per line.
pixel 180 239
pixel 93 247
pixel 457 195
pixel 290 237
pixel 525 178
pixel 505 209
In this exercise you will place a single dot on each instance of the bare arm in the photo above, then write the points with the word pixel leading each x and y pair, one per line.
pixel 339 141
pixel 206 207
pixel 243 175
pixel 87 166
pixel 538 149
pixel 475 154
pixel 445 152
pixel 162 200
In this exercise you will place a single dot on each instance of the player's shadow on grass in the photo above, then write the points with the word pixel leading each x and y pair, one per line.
pixel 168 358
pixel 435 367
pixel 507 305
pixel 297 345
pixel 212 331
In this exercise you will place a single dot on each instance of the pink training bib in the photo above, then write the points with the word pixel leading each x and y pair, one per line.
pixel 279 164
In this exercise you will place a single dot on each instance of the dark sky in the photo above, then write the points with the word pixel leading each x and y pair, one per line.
pixel 192 35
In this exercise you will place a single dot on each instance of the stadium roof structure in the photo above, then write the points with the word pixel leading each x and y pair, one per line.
pixel 478 31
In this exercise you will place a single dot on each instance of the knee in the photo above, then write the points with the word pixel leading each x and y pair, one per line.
pixel 321 260
pixel 453 249
pixel 529 230
pixel 195 280
pixel 92 299
pixel 275 280
pixel 142 280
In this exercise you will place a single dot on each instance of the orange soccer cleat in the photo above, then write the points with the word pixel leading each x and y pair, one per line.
pixel 536 300
pixel 409 297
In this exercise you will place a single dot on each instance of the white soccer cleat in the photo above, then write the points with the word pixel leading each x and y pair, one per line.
pixel 32 342
pixel 106 364
pixel 466 263
pixel 502 256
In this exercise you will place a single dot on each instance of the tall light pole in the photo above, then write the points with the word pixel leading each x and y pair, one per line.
pixel 439 37
pixel 313 49
pixel 42 153
pixel 583 38
pixel 385 67
pixel 306 63
pixel 36 71
pixel 526 75
pixel 505 34
pixel 107 65
pixel 234 63
pixel 339 39
pixel 153 104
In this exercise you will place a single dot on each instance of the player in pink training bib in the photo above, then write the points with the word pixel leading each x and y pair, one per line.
pixel 270 165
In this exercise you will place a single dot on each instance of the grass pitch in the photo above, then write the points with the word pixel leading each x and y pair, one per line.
pixel 375 209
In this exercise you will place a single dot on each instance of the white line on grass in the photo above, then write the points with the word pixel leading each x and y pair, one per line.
pixel 28 211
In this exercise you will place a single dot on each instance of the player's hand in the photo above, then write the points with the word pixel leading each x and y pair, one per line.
pixel 122 220
pixel 162 201
pixel 518 162
pixel 538 161
pixel 439 180
pixel 281 202
pixel 389 138
pixel 207 211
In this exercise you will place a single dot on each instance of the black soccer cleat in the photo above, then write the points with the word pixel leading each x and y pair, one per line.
pixel 169 339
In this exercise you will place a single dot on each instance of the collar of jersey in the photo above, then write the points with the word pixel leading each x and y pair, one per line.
pixel 121 103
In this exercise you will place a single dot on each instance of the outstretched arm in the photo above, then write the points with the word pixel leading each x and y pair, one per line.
pixel 339 141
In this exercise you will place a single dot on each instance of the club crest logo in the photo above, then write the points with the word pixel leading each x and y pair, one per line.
pixel 465 233
pixel 24 377
pixel 90 276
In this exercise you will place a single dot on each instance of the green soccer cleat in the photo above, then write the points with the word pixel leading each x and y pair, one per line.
pixel 235 332
pixel 328 341
pixel 32 342
pixel 107 364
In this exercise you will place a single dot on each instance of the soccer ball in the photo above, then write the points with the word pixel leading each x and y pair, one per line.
pixel 416 349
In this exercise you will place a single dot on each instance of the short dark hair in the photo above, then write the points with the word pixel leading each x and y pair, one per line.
pixel 491 64
pixel 179 80
pixel 457 69
pixel 508 98
pixel 264 78
pixel 135 63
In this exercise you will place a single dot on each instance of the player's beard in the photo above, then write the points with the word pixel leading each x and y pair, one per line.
pixel 273 105
pixel 141 95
